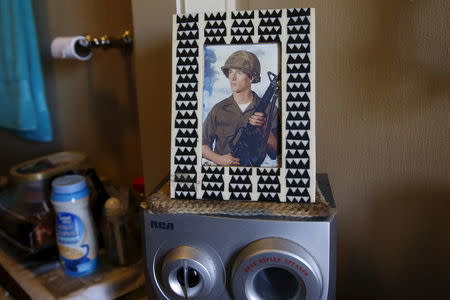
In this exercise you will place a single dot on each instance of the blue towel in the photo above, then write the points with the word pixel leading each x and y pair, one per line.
pixel 23 105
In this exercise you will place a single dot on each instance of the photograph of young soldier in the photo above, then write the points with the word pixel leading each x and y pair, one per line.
pixel 242 68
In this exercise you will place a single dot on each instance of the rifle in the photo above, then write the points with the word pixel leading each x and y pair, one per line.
pixel 248 143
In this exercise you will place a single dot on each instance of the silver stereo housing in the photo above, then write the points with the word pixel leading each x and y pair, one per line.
pixel 206 257
pixel 219 246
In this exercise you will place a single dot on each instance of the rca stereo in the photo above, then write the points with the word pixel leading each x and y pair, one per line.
pixel 205 257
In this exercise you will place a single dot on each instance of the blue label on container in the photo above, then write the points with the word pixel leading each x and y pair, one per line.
pixel 81 266
pixel 69 228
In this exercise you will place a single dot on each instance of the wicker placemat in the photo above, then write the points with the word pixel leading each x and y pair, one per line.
pixel 160 202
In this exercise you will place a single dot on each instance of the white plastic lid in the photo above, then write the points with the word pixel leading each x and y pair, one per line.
pixel 69 184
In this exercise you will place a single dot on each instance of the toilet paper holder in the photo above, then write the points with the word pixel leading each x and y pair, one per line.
pixel 124 41
pixel 80 47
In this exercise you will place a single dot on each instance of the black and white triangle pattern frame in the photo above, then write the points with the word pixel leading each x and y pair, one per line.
pixel 212 182
pixel 215 29
pixel 185 104
pixel 294 181
pixel 240 185
pixel 269 28
pixel 242 28
pixel 298 107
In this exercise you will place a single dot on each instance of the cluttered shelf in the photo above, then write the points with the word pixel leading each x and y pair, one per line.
pixel 42 277
pixel 66 234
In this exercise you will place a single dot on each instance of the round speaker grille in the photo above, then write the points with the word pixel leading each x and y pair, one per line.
pixel 191 273
pixel 275 269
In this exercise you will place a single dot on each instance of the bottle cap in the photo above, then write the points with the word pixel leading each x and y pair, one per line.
pixel 138 184
pixel 113 208
pixel 69 184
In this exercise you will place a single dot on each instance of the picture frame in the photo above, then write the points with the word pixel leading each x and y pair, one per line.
pixel 292 177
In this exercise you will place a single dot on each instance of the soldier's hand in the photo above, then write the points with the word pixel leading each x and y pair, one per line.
pixel 257 119
pixel 228 160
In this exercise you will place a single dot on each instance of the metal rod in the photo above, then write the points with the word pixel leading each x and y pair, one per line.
pixel 125 41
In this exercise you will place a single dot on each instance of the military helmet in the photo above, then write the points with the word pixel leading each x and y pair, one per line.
pixel 245 61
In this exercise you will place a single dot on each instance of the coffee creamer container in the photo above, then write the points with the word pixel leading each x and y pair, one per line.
pixel 75 232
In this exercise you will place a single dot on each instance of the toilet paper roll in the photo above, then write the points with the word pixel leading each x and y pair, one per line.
pixel 70 48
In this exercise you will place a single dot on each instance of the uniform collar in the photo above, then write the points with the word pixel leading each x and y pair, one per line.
pixel 230 104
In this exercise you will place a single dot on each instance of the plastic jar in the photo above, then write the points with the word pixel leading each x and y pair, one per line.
pixel 75 232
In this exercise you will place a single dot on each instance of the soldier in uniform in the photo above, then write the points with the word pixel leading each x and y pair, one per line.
pixel 242 69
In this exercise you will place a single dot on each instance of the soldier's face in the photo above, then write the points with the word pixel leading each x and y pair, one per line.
pixel 239 81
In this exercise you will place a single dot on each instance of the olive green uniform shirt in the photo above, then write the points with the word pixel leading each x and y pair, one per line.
pixel 225 118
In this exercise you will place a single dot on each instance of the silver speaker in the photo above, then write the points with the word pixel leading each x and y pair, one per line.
pixel 207 257
pixel 275 268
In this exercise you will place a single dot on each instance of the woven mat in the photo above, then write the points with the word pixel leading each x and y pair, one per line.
pixel 161 203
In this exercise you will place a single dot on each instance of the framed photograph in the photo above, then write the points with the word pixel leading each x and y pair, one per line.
pixel 243 106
